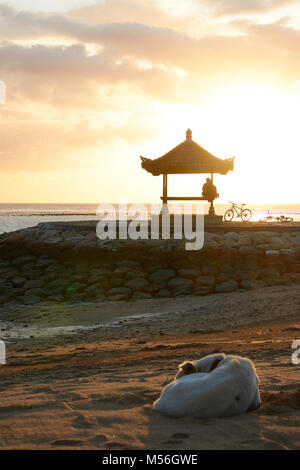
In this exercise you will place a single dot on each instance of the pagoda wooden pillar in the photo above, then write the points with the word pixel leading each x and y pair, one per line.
pixel 164 208
pixel 165 189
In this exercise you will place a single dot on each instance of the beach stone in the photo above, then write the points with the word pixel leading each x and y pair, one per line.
pixel 187 290
pixel 268 273
pixel 222 277
pixel 246 275
pixel 228 286
pixel 190 273
pixel 77 297
pixel 162 275
pixel 153 267
pixel 117 297
pixel 135 274
pixel 163 293
pixel 180 282
pixel 56 290
pixel 55 298
pixel 276 243
pixel 57 283
pixel 245 241
pixel 120 271
pixel 50 233
pixel 252 284
pixel 272 252
pixel 295 277
pixel 231 243
pixel 100 272
pixel 11 273
pixel 52 240
pixel 30 299
pixel 6 288
pixel 22 260
pixel 52 267
pixel 127 262
pixel 72 236
pixel 18 281
pixel 205 281
pixel 32 274
pixel 90 236
pixel 4 298
pixel 202 291
pixel 287 252
pixel 26 267
pixel 82 268
pixel 119 291
pixel 77 286
pixel 4 269
pixel 156 286
pixel 98 278
pixel 247 251
pixel 211 243
pixel 209 269
pixel 226 268
pixel 116 281
pixel 42 262
pixel 141 295
pixel 94 291
pixel 79 277
pixel 137 283
pixel 33 283
pixel 48 277
pixel 38 292
pixel 278 281
pixel 231 236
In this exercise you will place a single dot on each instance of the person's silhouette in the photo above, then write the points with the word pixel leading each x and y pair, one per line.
pixel 209 190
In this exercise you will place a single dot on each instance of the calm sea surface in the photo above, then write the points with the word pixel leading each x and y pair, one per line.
pixel 17 216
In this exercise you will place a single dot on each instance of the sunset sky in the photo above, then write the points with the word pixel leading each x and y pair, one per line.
pixel 92 85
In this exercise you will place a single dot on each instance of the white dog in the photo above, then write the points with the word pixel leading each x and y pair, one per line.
pixel 216 385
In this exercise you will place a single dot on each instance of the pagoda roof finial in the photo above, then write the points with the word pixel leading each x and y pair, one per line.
pixel 188 134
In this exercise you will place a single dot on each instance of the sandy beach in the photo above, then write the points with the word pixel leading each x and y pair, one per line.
pixel 94 389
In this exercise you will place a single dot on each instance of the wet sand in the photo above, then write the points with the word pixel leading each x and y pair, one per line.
pixel 94 388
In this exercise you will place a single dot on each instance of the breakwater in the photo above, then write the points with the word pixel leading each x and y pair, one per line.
pixel 68 263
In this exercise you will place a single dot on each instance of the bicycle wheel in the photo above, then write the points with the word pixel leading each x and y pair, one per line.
pixel 287 219
pixel 228 216
pixel 246 215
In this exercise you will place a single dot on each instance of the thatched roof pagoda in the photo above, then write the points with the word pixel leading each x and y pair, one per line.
pixel 188 157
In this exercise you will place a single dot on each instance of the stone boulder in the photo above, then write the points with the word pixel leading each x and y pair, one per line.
pixel 227 286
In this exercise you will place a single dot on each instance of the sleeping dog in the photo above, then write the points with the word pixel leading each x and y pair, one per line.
pixel 216 385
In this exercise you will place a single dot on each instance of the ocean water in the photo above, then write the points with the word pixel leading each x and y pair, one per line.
pixel 17 216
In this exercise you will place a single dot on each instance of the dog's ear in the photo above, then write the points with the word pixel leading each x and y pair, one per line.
pixel 215 363
pixel 188 368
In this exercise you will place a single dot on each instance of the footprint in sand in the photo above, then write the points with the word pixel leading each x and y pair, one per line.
pixel 180 435
pixel 173 441
pixel 81 423
pixel 131 400
pixel 177 438
pixel 99 439
pixel 67 442
pixel 114 445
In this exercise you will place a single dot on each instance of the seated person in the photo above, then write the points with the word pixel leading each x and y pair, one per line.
pixel 209 190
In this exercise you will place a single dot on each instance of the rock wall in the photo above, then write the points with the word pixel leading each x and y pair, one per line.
pixel 46 263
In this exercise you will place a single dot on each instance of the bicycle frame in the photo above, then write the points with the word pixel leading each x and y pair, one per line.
pixel 237 210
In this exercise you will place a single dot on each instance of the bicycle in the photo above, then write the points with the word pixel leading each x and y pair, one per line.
pixel 237 211
pixel 282 219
